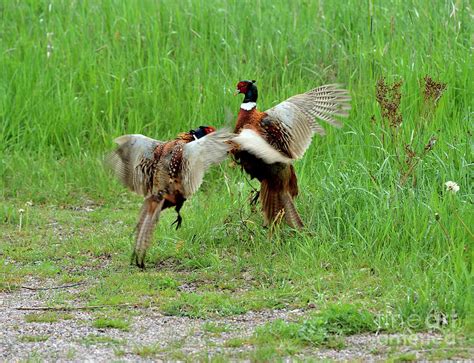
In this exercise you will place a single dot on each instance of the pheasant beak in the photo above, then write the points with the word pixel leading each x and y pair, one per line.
pixel 236 92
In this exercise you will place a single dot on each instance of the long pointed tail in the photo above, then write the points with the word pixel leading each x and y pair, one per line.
pixel 149 216
pixel 276 196
pixel 291 214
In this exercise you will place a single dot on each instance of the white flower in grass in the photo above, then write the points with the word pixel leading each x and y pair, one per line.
pixel 452 186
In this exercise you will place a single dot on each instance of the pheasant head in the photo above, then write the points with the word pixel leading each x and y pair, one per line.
pixel 249 89
pixel 195 134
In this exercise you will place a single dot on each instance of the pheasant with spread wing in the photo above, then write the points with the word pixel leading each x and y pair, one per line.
pixel 268 142
pixel 166 173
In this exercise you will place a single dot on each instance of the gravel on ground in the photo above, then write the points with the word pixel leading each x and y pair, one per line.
pixel 76 339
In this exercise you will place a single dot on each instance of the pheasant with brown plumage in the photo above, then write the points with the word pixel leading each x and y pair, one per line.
pixel 166 173
pixel 268 142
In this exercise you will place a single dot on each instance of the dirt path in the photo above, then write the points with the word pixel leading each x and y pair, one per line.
pixel 155 336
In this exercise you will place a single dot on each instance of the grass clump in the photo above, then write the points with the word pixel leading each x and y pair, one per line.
pixel 346 319
pixel 215 328
pixel 48 317
pixel 236 342
pixel 131 287
pixel 204 305
pixel 8 286
pixel 111 323
pixel 148 351
pixel 172 350
pixel 325 328
pixel 403 357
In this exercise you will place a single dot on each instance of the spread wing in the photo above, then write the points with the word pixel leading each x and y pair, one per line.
pixel 133 162
pixel 199 155
pixel 288 128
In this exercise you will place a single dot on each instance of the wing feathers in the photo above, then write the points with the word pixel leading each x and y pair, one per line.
pixel 297 132
pixel 324 103
pixel 296 117
pixel 251 141
pixel 200 154
pixel 132 161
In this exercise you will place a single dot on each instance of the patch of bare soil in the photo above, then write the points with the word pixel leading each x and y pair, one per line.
pixel 154 336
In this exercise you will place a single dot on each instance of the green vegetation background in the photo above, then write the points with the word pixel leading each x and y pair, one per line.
pixel 76 74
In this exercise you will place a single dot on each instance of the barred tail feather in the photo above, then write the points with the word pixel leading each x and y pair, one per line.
pixel 149 216
pixel 271 203
pixel 276 196
pixel 291 215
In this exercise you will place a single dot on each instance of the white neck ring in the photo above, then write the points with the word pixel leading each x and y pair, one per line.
pixel 247 106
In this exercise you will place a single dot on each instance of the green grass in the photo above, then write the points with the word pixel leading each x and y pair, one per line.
pixel 403 357
pixel 172 350
pixel 236 342
pixel 148 350
pixel 111 323
pixel 381 232
pixel 48 317
pixel 215 328
pixel 322 329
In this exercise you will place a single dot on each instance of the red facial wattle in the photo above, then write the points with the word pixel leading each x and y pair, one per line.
pixel 242 87
pixel 209 129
